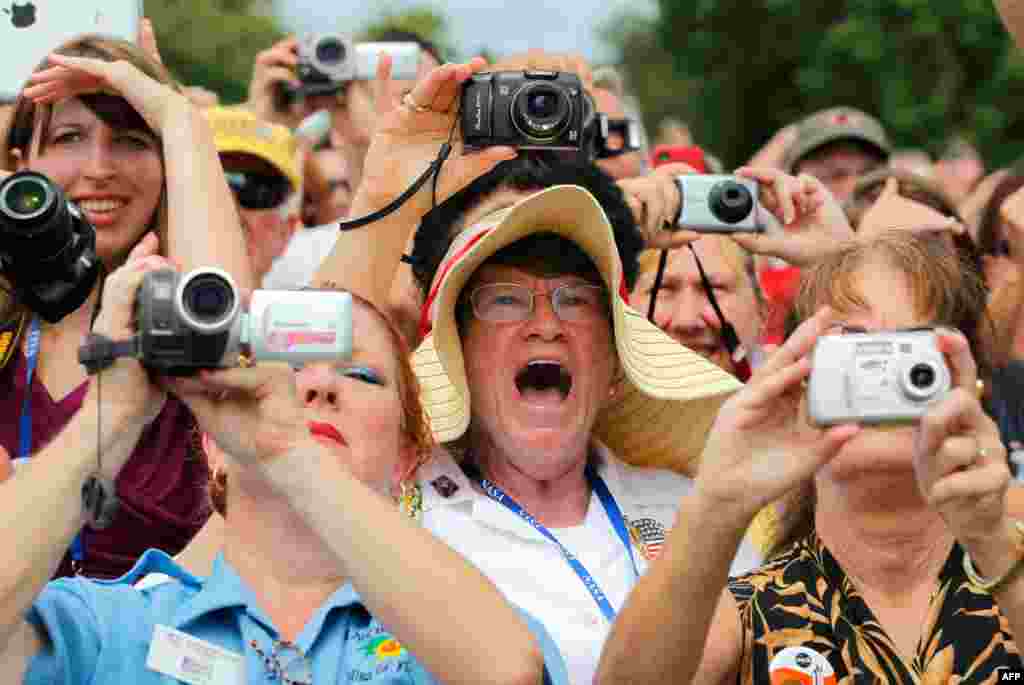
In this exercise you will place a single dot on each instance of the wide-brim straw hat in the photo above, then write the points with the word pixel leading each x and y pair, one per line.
pixel 669 396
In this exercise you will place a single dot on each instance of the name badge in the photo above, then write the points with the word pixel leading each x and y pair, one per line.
pixel 193 661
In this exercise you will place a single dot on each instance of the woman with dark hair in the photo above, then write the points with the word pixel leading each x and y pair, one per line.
pixel 104 121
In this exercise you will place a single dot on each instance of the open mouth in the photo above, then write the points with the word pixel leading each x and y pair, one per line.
pixel 544 381
pixel 325 430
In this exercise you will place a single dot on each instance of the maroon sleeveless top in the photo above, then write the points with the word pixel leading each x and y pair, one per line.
pixel 162 487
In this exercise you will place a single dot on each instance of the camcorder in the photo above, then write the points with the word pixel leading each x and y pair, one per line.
pixel 196 320
pixel 327 62
pixel 538 110
pixel 718 204
pixel 47 246
pixel 881 377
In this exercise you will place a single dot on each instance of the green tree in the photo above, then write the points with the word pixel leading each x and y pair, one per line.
pixel 213 43
pixel 742 69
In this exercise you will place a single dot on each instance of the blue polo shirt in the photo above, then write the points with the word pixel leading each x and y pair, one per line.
pixel 100 631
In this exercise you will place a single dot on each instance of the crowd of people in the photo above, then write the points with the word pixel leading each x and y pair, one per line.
pixel 576 438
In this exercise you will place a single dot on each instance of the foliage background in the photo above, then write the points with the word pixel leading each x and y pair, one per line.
pixel 735 70
pixel 742 69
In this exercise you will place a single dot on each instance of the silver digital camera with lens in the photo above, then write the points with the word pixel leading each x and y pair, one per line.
pixel 328 61
pixel 196 320
pixel 882 377
pixel 718 204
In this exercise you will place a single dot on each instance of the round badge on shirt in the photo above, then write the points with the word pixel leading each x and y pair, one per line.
pixel 800 666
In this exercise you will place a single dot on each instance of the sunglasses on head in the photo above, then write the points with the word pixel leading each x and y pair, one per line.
pixel 258 191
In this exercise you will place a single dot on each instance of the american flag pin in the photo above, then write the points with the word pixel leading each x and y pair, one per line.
pixel 445 486
pixel 648 535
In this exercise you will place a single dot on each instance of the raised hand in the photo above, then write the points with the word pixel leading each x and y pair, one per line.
pixel 761 444
pixel 254 413
pixel 959 459
pixel 654 200
pixel 410 132
pixel 73 76
pixel 803 221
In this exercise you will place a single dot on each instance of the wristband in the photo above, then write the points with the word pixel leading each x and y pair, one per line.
pixel 991 585
pixel 100 352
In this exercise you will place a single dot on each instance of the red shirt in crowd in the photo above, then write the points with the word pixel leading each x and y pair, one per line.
pixel 162 488
pixel 780 284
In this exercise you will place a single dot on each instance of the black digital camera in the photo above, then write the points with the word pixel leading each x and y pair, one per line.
pixel 47 247
pixel 529 110
pixel 196 320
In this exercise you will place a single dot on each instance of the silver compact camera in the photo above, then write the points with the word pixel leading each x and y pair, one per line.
pixel 882 377
pixel 328 61
pixel 196 320
pixel 718 204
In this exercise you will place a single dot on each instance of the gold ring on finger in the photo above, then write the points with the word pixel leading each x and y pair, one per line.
pixel 408 101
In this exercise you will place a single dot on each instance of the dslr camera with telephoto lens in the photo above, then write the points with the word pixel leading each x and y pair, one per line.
pixel 329 61
pixel 881 377
pixel 196 320
pixel 47 246
pixel 718 204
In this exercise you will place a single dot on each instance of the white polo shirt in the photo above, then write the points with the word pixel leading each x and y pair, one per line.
pixel 531 571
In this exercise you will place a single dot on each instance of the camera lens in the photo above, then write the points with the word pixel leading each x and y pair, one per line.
pixel 208 299
pixel 922 376
pixel 26 198
pixel 541 111
pixel 730 202
pixel 542 105
pixel 330 51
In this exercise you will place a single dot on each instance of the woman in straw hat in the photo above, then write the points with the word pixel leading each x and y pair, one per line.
pixel 898 558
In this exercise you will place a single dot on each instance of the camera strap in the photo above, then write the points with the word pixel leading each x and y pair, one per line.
pixel 25 422
pixel 99 352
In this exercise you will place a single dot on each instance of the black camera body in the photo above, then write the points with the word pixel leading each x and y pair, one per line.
pixel 185 323
pixel 529 110
pixel 47 246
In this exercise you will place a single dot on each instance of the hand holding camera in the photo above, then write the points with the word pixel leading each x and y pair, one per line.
pixel 802 221
pixel 410 132
pixel 654 200
pixel 761 444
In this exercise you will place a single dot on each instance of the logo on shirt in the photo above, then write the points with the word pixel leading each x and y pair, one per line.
pixel 800 666
pixel 648 535
pixel 382 647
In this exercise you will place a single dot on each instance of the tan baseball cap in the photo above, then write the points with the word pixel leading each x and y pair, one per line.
pixel 670 395
pixel 238 130
pixel 831 125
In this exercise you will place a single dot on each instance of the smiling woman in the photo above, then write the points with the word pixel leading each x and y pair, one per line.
pixel 103 120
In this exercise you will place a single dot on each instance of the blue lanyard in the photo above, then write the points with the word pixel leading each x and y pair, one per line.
pixel 614 514
pixel 25 424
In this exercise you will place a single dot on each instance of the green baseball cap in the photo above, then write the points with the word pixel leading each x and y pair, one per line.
pixel 831 125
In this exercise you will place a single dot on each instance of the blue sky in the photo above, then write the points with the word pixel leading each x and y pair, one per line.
pixel 556 25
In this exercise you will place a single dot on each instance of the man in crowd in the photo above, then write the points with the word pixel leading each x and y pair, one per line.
pixel 260 163
pixel 837 146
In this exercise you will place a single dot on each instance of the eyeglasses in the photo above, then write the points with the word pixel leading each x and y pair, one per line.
pixel 258 191
pixel 508 302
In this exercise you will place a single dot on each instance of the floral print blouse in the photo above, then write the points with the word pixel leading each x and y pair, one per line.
pixel 802 598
